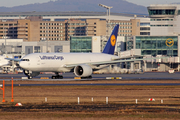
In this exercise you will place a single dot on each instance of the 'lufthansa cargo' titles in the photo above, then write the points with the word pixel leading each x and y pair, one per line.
pixel 51 57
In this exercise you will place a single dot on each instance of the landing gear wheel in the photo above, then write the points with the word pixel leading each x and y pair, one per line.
pixel 57 77
pixel 89 77
pixel 60 77
pixel 29 77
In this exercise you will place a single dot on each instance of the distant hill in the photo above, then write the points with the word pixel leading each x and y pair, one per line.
pixel 177 3
pixel 119 6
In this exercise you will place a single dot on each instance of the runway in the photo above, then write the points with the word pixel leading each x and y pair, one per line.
pixel 148 76
pixel 70 76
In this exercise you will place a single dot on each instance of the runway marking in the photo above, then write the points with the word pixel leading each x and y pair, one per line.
pixel 44 78
pixel 109 77
pixel 24 78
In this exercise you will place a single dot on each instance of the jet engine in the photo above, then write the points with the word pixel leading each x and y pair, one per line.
pixel 30 74
pixel 83 71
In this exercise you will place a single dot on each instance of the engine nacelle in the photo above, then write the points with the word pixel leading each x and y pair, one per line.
pixel 30 74
pixel 83 71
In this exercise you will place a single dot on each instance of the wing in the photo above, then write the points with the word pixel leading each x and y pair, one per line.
pixel 13 59
pixel 112 62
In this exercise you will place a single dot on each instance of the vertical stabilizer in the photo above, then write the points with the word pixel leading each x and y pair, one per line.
pixel 110 45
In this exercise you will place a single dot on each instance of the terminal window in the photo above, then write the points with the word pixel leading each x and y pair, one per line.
pixel 58 49
pixel 162 12
pixel 153 45
pixel 80 44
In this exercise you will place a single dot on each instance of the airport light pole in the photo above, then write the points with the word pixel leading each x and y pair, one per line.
pixel 108 15
pixel 46 45
pixel 5 40
pixel 47 38
pixel 5 45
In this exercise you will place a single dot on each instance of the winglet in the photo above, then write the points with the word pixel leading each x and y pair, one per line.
pixel 110 45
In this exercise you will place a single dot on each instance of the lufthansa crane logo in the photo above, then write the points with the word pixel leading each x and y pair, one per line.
pixel 113 40
pixel 169 42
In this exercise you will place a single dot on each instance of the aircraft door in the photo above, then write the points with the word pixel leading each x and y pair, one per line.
pixel 38 61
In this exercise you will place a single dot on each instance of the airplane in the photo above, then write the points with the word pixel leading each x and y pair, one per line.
pixel 82 64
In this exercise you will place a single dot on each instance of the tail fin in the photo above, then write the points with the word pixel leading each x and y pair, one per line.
pixel 110 45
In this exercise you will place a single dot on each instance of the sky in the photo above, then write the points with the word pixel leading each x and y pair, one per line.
pixel 11 3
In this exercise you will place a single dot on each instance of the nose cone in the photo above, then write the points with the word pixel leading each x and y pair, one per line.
pixel 20 64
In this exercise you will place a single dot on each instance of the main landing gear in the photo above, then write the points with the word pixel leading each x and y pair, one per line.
pixel 89 77
pixel 57 76
pixel 29 77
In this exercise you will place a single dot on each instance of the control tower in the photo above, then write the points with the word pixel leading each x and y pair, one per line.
pixel 164 19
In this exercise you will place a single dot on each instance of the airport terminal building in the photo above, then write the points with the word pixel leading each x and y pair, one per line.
pixel 163 38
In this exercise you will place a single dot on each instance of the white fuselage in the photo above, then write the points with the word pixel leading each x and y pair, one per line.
pixel 56 62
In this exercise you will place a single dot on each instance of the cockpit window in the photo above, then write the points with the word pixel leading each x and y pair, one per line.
pixel 24 59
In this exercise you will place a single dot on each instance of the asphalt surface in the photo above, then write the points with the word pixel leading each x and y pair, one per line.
pixel 70 76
